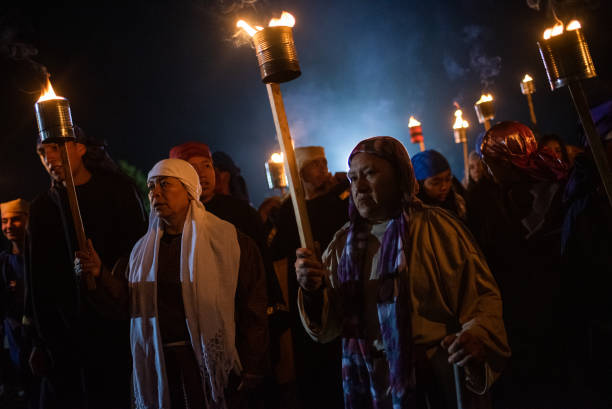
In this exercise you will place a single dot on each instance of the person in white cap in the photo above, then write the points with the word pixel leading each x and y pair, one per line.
pixel 197 300
pixel 317 365
pixel 14 216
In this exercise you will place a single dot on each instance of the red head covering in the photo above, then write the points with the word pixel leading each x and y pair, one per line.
pixel 514 143
pixel 189 150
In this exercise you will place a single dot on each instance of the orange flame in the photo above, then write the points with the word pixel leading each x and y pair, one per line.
pixel 527 78
pixel 413 122
pixel 48 93
pixel 573 25
pixel 286 19
pixel 485 98
pixel 554 31
pixel 459 121
pixel 276 158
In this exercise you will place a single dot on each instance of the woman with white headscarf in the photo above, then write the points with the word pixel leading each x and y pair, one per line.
pixel 196 296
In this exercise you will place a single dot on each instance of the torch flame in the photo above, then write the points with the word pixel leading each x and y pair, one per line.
pixel 527 78
pixel 459 121
pixel 555 31
pixel 48 93
pixel 286 19
pixel 484 98
pixel 246 27
pixel 547 33
pixel 413 122
pixel 276 158
pixel 573 25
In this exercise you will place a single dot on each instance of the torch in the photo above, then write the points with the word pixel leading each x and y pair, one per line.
pixel 55 126
pixel 278 63
pixel 275 173
pixel 416 133
pixel 567 60
pixel 485 110
pixel 528 88
pixel 460 132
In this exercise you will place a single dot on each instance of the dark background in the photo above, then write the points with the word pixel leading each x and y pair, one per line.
pixel 146 75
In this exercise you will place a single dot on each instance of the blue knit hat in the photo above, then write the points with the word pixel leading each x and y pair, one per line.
pixel 428 163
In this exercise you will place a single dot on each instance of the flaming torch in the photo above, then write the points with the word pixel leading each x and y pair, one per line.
pixel 528 88
pixel 278 63
pixel 55 126
pixel 567 60
pixel 460 132
pixel 416 133
pixel 485 110
pixel 275 172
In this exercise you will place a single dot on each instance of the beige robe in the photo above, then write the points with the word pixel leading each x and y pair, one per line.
pixel 450 287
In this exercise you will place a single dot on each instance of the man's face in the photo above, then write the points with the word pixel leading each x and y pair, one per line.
pixel 374 187
pixel 206 172
pixel 51 158
pixel 315 172
pixel 14 226
pixel 168 197
pixel 438 186
pixel 555 148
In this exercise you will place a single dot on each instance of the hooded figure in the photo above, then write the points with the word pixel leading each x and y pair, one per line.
pixel 435 178
pixel 406 288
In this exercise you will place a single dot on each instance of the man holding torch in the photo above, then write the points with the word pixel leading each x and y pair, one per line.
pixel 81 347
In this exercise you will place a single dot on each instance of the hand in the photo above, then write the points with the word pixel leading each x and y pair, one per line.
pixel 40 362
pixel 464 349
pixel 87 262
pixel 309 270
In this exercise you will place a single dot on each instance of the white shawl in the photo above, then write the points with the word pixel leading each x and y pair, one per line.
pixel 210 257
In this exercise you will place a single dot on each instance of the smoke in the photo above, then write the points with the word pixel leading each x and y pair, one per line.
pixel 453 69
pixel 534 4
pixel 12 47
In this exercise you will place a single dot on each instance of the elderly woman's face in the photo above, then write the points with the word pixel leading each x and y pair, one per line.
pixel 374 187
pixel 168 197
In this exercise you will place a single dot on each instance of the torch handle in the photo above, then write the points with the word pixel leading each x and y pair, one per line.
pixel 531 109
pixel 422 146
pixel 458 375
pixel 295 185
pixel 487 124
pixel 597 148
pixel 466 164
pixel 75 211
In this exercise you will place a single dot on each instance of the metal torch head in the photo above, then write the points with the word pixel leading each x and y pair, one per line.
pixel 485 111
pixel 528 87
pixel 276 54
pixel 566 58
pixel 54 120
pixel 416 134
pixel 275 173
pixel 460 135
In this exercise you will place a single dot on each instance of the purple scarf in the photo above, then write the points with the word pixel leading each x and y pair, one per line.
pixel 361 391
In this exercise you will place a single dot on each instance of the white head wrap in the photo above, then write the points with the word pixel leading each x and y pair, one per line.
pixel 210 258
pixel 181 170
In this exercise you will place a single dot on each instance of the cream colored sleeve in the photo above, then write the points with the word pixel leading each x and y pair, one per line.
pixel 328 326
pixel 472 293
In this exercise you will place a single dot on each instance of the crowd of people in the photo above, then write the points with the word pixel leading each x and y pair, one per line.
pixel 423 291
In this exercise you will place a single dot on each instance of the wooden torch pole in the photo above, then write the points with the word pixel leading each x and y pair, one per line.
pixel 466 165
pixel 75 211
pixel 597 148
pixel 531 109
pixel 422 146
pixel 293 177
pixel 487 124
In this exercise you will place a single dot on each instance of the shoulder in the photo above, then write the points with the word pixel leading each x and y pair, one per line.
pixel 440 227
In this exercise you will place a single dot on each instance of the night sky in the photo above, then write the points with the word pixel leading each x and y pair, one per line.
pixel 146 75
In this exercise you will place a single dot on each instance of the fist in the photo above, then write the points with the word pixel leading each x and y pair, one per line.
pixel 464 349
pixel 309 270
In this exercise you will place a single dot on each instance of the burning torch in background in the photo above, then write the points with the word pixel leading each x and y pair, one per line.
pixel 416 133
pixel 528 88
pixel 485 110
pixel 55 126
pixel 460 132
pixel 567 60
pixel 275 172
pixel 278 63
